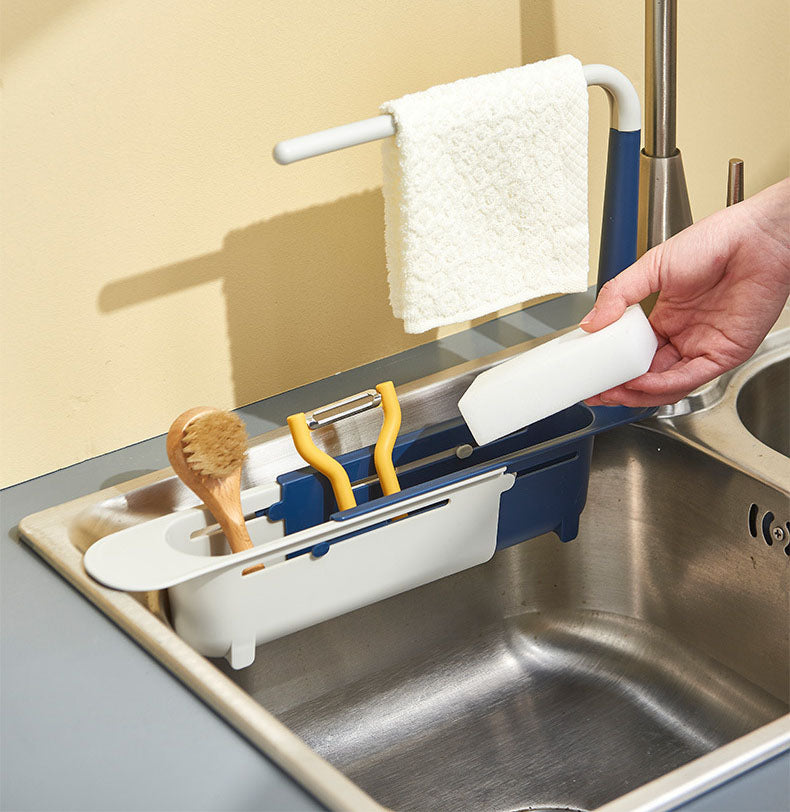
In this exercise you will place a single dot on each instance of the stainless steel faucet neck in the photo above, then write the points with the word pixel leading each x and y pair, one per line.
pixel 660 77
pixel 664 207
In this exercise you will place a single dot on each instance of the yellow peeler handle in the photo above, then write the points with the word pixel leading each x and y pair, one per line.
pixel 382 454
pixel 321 461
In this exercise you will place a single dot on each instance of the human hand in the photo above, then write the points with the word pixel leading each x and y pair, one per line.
pixel 723 283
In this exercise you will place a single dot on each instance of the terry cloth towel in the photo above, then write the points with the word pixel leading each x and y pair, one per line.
pixel 485 191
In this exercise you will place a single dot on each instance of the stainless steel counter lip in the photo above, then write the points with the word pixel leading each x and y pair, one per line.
pixel 707 772
pixel 708 418
pixel 55 533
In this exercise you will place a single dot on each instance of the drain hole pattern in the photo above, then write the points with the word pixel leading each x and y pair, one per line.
pixel 753 520
pixel 770 532
pixel 766 527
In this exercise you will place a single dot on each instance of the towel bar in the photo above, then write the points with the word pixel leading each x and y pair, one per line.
pixel 625 116
pixel 621 194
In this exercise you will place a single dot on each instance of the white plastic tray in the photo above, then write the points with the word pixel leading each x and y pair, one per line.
pixel 222 612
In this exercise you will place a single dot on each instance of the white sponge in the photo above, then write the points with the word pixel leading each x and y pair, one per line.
pixel 557 374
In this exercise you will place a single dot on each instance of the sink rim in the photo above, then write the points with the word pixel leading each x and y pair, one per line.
pixel 706 772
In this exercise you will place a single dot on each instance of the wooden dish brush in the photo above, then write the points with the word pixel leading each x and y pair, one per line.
pixel 206 448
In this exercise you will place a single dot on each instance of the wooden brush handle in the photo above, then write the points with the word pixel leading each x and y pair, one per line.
pixel 221 495
pixel 224 501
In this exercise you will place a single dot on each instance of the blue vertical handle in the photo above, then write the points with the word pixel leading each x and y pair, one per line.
pixel 620 205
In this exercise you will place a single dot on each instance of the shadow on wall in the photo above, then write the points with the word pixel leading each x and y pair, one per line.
pixel 24 21
pixel 328 258
pixel 538 31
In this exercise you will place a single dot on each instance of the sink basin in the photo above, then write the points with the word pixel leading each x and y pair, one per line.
pixel 648 657
pixel 556 675
pixel 763 405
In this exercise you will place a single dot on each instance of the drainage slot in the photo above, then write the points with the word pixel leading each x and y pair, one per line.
pixel 544 466
pixel 767 519
pixel 330 542
pixel 753 520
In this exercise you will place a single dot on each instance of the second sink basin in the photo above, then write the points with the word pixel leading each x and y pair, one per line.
pixel 763 405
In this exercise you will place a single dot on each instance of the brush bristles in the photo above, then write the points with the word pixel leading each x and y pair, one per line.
pixel 215 444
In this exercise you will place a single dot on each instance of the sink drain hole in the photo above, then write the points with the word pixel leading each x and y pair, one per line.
pixel 767 520
pixel 753 520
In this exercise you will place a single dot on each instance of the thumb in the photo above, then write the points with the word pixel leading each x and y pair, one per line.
pixel 628 287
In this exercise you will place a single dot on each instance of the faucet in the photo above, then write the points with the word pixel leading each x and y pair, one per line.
pixel 664 207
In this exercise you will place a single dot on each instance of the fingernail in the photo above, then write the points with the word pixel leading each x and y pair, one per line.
pixel 589 317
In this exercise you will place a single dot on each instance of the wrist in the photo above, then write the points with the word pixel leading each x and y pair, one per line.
pixel 770 212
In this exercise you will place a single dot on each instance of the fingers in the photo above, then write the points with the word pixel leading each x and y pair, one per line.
pixel 628 287
pixel 660 386
pixel 683 376
pixel 666 356
pixel 620 396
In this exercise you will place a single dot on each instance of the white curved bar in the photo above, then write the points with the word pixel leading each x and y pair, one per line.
pixel 347 135
pixel 624 103
pixel 624 100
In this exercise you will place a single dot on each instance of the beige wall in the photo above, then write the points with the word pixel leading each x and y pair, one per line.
pixel 155 257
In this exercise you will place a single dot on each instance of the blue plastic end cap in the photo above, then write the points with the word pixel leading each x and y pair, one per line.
pixel 322 548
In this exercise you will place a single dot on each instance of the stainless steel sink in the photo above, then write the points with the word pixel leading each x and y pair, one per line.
pixel 556 676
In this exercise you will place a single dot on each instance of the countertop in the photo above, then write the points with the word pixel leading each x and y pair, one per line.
pixel 88 719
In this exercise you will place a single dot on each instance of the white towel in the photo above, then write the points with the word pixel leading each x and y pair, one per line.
pixel 485 190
